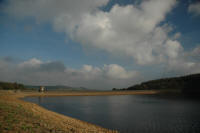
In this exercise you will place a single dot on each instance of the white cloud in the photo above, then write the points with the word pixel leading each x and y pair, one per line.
pixel 194 8
pixel 185 63
pixel 183 67
pixel 195 52
pixel 31 63
pixel 177 35
pixel 135 31
pixel 132 30
pixel 35 71
pixel 128 30
pixel 117 72
pixel 173 48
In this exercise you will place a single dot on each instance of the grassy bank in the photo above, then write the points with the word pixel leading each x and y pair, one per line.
pixel 17 116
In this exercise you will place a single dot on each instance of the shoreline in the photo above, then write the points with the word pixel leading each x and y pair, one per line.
pixel 57 122
pixel 87 93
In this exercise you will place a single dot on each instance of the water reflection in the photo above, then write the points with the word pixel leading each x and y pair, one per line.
pixel 40 99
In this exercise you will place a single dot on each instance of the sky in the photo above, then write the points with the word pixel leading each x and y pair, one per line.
pixel 98 44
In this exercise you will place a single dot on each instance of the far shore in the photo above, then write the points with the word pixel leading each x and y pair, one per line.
pixel 87 93
pixel 45 120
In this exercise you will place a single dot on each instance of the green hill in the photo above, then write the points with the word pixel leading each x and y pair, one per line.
pixel 11 86
pixel 187 84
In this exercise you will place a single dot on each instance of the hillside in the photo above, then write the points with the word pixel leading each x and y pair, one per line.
pixel 187 84
pixel 11 86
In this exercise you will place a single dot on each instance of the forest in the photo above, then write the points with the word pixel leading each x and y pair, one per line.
pixel 187 84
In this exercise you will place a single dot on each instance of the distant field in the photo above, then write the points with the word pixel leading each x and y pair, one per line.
pixel 89 93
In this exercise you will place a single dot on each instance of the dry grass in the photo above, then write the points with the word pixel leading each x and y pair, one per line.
pixel 24 117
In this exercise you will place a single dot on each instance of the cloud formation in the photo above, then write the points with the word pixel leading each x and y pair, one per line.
pixel 132 30
pixel 185 63
pixel 37 72
pixel 137 31
pixel 194 8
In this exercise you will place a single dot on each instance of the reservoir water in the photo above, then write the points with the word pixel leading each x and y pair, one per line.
pixel 129 113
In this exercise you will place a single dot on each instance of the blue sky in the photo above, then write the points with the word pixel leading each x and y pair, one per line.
pixel 27 36
pixel 26 39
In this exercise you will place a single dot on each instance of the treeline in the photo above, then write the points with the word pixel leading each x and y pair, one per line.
pixel 11 86
pixel 187 84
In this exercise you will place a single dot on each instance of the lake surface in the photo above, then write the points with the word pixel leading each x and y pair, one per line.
pixel 129 113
